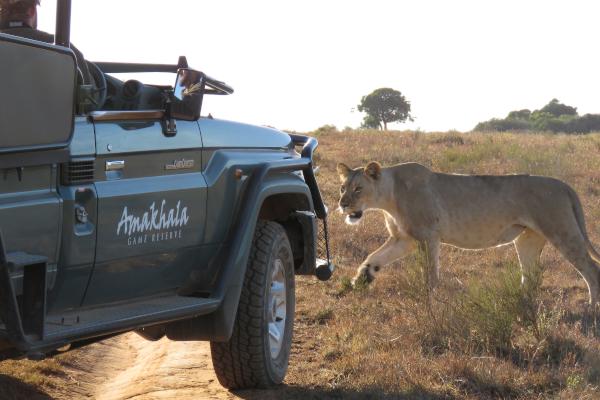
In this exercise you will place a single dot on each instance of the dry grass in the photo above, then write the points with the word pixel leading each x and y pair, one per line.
pixel 481 336
pixel 33 380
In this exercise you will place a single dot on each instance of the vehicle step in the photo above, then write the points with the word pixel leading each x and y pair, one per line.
pixel 18 259
pixel 123 316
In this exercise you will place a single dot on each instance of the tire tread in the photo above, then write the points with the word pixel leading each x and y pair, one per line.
pixel 240 362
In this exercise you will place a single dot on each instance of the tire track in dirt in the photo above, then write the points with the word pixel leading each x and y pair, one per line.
pixel 129 367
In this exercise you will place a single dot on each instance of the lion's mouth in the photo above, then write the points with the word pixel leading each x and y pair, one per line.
pixel 354 217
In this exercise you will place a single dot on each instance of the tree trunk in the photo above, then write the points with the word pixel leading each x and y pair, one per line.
pixel 384 125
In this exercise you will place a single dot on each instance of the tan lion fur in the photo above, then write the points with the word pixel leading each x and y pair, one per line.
pixel 424 208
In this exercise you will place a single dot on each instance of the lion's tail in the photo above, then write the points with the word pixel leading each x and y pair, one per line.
pixel 578 210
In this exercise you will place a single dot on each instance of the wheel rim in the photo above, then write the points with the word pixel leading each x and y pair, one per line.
pixel 277 308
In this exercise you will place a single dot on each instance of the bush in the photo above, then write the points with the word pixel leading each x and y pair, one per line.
pixel 521 114
pixel 491 310
pixel 585 124
pixel 492 317
pixel 503 125
pixel 553 117
pixel 328 128
pixel 543 121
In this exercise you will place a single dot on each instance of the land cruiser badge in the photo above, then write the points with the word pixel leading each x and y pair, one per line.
pixel 180 164
pixel 156 224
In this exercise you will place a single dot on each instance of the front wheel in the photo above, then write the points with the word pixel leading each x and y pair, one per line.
pixel 258 351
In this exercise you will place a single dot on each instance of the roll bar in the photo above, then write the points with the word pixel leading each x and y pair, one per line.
pixel 214 86
pixel 62 35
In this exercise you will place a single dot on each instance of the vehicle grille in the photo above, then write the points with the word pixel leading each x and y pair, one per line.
pixel 76 172
pixel 323 240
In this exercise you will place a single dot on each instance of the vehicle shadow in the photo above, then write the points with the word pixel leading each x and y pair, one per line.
pixel 285 392
pixel 13 389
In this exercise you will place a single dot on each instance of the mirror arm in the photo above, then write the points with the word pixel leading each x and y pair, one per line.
pixel 169 126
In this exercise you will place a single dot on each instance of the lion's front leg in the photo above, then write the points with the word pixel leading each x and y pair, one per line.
pixel 391 250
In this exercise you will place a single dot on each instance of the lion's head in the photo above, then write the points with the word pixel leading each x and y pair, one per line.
pixel 359 189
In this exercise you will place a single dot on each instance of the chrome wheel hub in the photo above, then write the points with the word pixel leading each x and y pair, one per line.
pixel 276 308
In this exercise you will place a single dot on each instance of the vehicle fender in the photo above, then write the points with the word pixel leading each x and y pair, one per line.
pixel 218 326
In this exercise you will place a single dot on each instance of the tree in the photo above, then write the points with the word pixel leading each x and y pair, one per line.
pixel 384 105
pixel 553 117
pixel 370 122
pixel 520 114
pixel 557 109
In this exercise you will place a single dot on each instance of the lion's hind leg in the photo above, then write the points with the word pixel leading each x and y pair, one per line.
pixel 430 249
pixel 572 244
pixel 529 245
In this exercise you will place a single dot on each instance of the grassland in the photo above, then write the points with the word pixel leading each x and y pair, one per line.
pixel 34 380
pixel 482 335
pixel 469 342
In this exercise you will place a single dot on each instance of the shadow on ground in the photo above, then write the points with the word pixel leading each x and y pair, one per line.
pixel 14 389
pixel 589 322
pixel 285 392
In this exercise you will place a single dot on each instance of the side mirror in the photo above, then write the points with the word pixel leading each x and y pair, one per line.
pixel 188 92
pixel 37 99
pixel 190 88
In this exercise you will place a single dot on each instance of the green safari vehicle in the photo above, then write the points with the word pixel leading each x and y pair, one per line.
pixel 121 209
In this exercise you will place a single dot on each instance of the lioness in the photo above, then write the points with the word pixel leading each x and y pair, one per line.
pixel 468 211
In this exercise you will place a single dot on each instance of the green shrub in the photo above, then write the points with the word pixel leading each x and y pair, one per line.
pixel 491 309
pixel 520 114
pixel 553 117
pixel 328 128
pixel 484 316
pixel 503 125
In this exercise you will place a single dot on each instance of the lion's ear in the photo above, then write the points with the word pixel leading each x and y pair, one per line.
pixel 373 170
pixel 343 170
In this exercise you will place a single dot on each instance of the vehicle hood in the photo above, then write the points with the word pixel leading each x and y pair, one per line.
pixel 217 133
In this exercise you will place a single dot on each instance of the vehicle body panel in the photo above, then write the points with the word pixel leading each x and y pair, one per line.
pixel 83 143
pixel 30 214
pixel 152 217
pixel 78 241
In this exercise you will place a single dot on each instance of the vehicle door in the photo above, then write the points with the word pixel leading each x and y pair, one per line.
pixel 151 209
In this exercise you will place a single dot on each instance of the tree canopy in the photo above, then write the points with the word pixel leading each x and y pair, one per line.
pixel 553 117
pixel 557 109
pixel 383 106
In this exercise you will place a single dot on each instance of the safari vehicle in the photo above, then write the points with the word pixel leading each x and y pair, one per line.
pixel 139 215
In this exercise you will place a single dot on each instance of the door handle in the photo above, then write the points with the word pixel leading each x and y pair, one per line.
pixel 115 165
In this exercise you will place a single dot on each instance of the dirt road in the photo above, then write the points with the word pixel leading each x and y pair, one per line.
pixel 129 367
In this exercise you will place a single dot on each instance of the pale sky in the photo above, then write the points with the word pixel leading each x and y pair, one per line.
pixel 299 65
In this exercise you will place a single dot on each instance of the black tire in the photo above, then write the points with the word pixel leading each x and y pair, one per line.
pixel 246 360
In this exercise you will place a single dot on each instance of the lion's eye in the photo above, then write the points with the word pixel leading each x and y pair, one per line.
pixel 343 189
pixel 357 189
